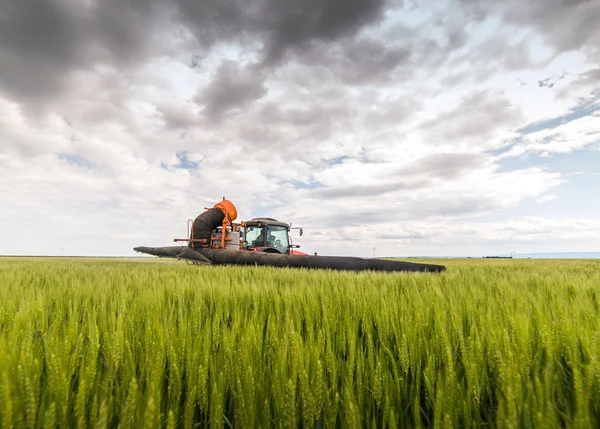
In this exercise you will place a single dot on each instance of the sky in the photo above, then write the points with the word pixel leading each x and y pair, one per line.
pixel 382 127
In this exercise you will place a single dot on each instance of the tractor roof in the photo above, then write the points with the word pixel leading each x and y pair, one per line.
pixel 265 221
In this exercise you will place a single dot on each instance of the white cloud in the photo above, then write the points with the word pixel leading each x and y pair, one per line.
pixel 576 134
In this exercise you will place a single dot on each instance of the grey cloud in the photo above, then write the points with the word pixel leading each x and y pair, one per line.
pixel 375 54
pixel 565 24
pixel 428 53
pixel 457 37
pixel 177 117
pixel 411 208
pixel 27 24
pixel 579 29
pixel 300 124
pixel 318 121
pixel 261 135
pixel 476 117
pixel 445 165
pixel 488 58
pixel 590 80
pixel 360 61
pixel 322 114
pixel 354 217
pixel 454 206
pixel 43 41
pixel 294 23
pixel 231 88
pixel 592 76
pixel 510 57
pixel 401 237
pixel 366 190
pixel 550 82
pixel 281 26
pixel 37 42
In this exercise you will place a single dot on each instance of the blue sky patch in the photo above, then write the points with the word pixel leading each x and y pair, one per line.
pixel 184 161
pixel 582 160
pixel 304 185
pixel 337 160
pixel 77 160
pixel 579 168
pixel 584 109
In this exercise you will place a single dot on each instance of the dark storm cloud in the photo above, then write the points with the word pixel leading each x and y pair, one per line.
pixel 294 23
pixel 37 43
pixel 233 87
pixel 281 26
pixel 42 41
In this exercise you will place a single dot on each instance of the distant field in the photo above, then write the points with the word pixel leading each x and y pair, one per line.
pixel 130 343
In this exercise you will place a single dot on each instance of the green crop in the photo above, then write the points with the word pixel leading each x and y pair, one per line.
pixel 105 343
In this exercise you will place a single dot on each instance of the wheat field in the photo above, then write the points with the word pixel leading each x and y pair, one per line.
pixel 118 343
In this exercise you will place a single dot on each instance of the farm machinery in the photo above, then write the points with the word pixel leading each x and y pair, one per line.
pixel 215 238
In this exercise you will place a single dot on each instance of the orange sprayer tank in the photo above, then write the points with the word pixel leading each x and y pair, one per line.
pixel 228 208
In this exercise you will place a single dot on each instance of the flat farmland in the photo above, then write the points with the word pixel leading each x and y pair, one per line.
pixel 121 343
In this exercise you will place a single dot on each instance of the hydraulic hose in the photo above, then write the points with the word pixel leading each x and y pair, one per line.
pixel 204 225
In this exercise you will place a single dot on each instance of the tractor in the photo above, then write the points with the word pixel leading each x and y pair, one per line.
pixel 260 234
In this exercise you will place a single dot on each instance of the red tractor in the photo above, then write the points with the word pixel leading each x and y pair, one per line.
pixel 265 234
pixel 261 234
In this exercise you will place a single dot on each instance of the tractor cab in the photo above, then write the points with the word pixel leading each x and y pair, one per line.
pixel 266 234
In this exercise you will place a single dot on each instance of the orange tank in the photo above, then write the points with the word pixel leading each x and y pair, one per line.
pixel 228 208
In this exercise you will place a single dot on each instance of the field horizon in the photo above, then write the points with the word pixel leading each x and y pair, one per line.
pixel 531 255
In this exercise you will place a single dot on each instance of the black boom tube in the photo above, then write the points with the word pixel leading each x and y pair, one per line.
pixel 242 257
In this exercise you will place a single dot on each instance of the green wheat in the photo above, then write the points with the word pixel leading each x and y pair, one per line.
pixel 123 344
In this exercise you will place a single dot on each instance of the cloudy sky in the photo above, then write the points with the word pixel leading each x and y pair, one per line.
pixel 459 127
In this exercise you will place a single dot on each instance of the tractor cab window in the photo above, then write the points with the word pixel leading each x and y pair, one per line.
pixel 255 236
pixel 277 237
